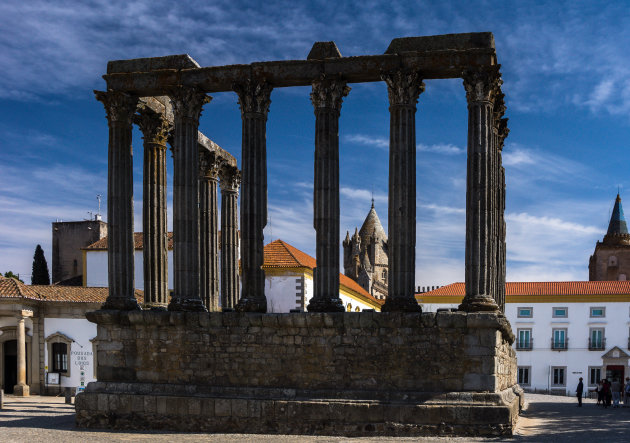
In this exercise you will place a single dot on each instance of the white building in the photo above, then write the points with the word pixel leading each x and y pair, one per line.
pixel 564 330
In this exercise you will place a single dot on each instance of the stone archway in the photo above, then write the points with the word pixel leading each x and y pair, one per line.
pixel 9 333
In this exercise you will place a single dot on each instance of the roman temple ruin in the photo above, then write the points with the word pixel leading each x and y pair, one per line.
pixel 325 371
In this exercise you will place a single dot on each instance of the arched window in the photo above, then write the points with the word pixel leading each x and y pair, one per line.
pixel 384 275
pixel 612 261
pixel 349 307
pixel 622 277
pixel 357 309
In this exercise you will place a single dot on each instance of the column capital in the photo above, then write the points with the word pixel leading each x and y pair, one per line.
pixel 328 93
pixel 155 128
pixel 188 102
pixel 253 96
pixel 230 178
pixel 120 107
pixel 403 87
pixel 209 164
pixel 23 314
pixel 482 84
pixel 499 107
pixel 503 132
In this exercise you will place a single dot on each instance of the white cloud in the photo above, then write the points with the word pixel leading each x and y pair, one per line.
pixel 376 142
pixel 441 148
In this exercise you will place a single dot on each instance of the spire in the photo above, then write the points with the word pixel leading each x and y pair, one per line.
pixel 617 223
pixel 372 226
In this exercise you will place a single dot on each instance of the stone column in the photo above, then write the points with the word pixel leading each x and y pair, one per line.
pixel 403 89
pixel 502 135
pixel 155 129
pixel 187 104
pixel 253 98
pixel 230 180
pixel 120 108
pixel 21 389
pixel 481 85
pixel 327 96
pixel 208 232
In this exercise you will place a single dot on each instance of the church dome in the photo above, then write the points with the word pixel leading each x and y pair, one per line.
pixel 372 226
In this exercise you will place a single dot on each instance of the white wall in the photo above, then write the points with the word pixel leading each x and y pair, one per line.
pixel 97 269
pixel 81 332
pixel 578 358
pixel 283 292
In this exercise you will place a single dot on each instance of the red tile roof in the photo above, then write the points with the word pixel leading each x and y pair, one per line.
pixel 12 288
pixel 280 254
pixel 546 288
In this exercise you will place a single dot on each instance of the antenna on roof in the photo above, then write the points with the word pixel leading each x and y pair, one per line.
pixel 98 214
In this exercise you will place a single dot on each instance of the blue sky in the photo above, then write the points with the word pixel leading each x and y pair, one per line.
pixel 566 74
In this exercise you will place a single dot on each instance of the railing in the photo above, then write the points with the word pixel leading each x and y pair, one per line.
pixel 596 345
pixel 559 345
pixel 524 345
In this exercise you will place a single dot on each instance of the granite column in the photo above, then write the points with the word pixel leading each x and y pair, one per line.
pixel 187 104
pixel 481 86
pixel 120 108
pixel 208 232
pixel 403 89
pixel 327 96
pixel 155 129
pixel 230 178
pixel 253 98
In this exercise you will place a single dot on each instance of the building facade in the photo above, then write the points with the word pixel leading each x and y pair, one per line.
pixel 365 256
pixel 564 330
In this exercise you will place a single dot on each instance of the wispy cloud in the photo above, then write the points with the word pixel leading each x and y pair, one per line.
pixel 442 148
pixel 376 142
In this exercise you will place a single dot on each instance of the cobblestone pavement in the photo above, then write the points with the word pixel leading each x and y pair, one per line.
pixel 547 418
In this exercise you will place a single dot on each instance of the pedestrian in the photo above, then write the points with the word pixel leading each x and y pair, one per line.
pixel 615 387
pixel 606 393
pixel 626 393
pixel 599 389
pixel 579 391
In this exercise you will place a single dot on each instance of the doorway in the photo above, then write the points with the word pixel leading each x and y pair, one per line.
pixel 9 349
pixel 615 372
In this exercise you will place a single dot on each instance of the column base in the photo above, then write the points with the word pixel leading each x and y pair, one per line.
pixel 21 390
pixel 401 304
pixel 253 304
pixel 188 304
pixel 325 304
pixel 120 304
pixel 479 303
pixel 156 306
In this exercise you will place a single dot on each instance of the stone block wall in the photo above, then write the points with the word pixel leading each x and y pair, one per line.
pixel 329 373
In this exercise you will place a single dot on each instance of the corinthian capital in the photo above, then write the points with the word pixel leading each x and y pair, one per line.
pixel 155 128
pixel 503 132
pixel 230 178
pixel 120 107
pixel 188 102
pixel 209 164
pixel 329 93
pixel 403 87
pixel 253 96
pixel 482 84
pixel 499 108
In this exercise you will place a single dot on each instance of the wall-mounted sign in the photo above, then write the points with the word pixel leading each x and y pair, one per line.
pixel 52 378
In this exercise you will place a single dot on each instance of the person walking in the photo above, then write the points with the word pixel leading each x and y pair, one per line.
pixel 606 392
pixel 599 390
pixel 615 387
pixel 626 393
pixel 579 391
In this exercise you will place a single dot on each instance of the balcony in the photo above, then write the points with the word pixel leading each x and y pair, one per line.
pixel 524 345
pixel 596 345
pixel 559 345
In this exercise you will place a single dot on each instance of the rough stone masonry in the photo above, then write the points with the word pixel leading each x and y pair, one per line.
pixel 400 372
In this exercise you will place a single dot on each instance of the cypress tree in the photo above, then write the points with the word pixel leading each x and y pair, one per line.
pixel 40 275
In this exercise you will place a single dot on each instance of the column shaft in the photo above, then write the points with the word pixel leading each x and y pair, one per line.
pixel 120 108
pixel 21 389
pixel 327 96
pixel 187 104
pixel 404 89
pixel 254 102
pixel 481 205
pixel 209 239
pixel 230 179
pixel 155 129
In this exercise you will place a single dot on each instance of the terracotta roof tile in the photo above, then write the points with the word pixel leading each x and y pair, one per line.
pixel 546 288
pixel 280 254
pixel 13 288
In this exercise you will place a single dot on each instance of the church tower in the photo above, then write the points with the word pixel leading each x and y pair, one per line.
pixel 365 255
pixel 611 259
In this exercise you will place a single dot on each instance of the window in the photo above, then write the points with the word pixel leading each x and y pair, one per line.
pixel 557 376
pixel 349 308
pixel 525 312
pixel 598 312
pixel 523 375
pixel 524 340
pixel 612 261
pixel 384 275
pixel 596 340
pixel 59 351
pixel 594 375
pixel 622 277
pixel 559 339
pixel 59 357
pixel 560 312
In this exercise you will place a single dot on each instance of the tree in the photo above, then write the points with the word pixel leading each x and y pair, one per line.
pixel 40 275
pixel 10 274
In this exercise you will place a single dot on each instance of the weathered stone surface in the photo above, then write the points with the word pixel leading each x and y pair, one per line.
pixel 183 61
pixel 444 42
pixel 323 50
